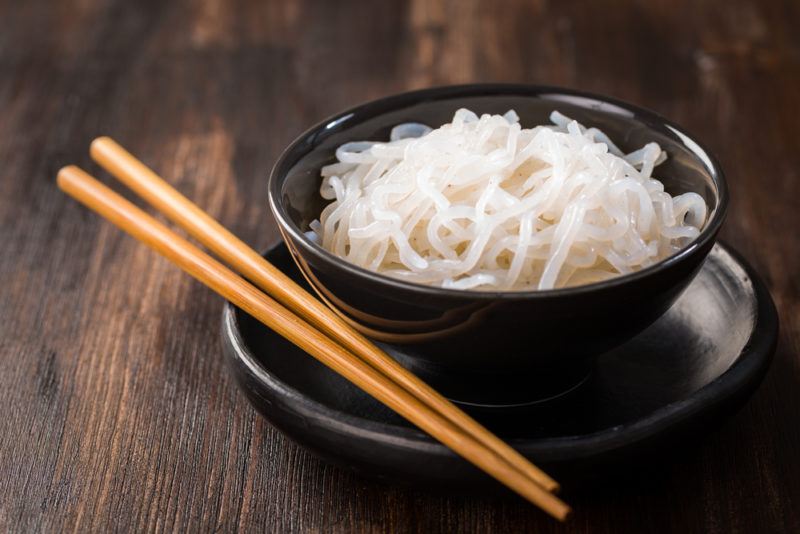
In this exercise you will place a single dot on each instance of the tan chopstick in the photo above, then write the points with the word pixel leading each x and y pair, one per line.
pixel 199 224
pixel 241 293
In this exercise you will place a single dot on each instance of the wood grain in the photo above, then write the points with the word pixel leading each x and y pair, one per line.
pixel 117 410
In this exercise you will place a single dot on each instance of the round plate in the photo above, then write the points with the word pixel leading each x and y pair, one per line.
pixel 697 363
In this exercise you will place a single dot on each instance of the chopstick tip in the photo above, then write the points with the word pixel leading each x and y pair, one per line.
pixel 65 174
pixel 565 515
pixel 99 144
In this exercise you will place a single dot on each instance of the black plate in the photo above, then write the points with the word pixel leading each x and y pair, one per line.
pixel 696 364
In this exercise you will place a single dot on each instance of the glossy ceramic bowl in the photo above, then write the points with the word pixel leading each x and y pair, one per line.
pixel 530 344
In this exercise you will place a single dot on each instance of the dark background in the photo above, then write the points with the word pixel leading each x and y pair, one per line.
pixel 116 409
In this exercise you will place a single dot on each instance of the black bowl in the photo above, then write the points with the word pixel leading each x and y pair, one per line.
pixel 532 344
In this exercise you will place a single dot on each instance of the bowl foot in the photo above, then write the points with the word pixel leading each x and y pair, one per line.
pixel 518 389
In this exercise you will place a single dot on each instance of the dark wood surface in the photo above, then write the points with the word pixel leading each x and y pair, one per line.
pixel 117 410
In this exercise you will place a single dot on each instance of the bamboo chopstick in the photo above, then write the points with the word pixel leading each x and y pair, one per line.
pixel 199 224
pixel 241 293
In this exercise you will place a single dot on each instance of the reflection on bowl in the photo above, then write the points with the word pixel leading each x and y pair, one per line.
pixel 546 339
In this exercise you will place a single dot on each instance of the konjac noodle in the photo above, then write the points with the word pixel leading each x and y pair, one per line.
pixel 483 203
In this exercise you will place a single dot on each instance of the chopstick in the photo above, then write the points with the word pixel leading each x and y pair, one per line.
pixel 244 295
pixel 200 225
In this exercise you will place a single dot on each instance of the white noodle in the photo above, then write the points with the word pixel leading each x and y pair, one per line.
pixel 482 203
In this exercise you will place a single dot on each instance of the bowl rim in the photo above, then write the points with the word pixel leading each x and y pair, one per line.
pixel 404 99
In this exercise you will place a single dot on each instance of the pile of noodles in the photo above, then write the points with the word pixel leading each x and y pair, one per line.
pixel 482 203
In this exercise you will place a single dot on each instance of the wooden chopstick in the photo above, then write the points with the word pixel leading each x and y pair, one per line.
pixel 241 293
pixel 200 225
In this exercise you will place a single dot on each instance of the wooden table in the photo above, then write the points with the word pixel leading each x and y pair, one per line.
pixel 117 410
